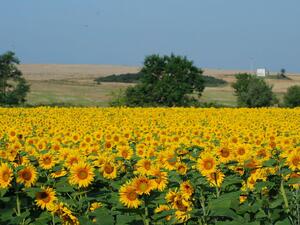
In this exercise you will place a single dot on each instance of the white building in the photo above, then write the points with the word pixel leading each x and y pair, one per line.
pixel 261 72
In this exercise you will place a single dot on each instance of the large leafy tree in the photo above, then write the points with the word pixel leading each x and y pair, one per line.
pixel 253 91
pixel 167 81
pixel 13 87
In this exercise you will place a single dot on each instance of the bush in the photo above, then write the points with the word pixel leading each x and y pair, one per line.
pixel 292 97
pixel 167 81
pixel 253 91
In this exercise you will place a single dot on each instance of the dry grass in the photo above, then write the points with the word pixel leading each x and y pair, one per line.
pixel 73 84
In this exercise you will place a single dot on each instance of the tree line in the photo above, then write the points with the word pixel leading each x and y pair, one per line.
pixel 163 81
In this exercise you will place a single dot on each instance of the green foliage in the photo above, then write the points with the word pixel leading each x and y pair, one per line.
pixel 292 97
pixel 118 98
pixel 13 87
pixel 136 77
pixel 213 81
pixel 121 78
pixel 167 81
pixel 253 91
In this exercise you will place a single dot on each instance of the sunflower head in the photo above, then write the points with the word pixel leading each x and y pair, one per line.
pixel 143 185
pixel 81 174
pixel 46 198
pixel 27 176
pixel 6 175
pixel 129 196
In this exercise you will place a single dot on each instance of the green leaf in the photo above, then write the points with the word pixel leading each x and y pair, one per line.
pixel 276 203
pixel 283 222
pixel 3 192
pixel 236 223
pixel 231 180
pixel 224 201
pixel 31 192
pixel 269 163
pixel 103 216
pixel 126 219
pixel 44 218
pixel 162 215
pixel 222 212
pixel 260 215
pixel 66 188
pixel 294 181
pixel 85 221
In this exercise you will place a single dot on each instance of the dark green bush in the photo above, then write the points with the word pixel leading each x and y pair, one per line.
pixel 292 97
pixel 253 91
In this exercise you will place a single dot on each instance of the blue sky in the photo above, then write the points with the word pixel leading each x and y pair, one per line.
pixel 225 34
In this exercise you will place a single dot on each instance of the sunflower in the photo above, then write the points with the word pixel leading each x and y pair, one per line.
pixel 65 214
pixel 144 166
pixel 46 198
pixel 81 174
pixel 171 195
pixel 293 161
pixel 182 216
pixel 143 185
pixel 125 152
pixel 163 208
pixel 182 206
pixel 109 170
pixel 242 152
pixel 215 178
pixel 186 189
pixel 129 196
pixel 6 175
pixel 207 164
pixel 181 168
pixel 225 154
pixel 160 180
pixel 27 176
pixel 243 198
pixel 95 205
pixel 47 161
pixel 72 160
pixel 58 173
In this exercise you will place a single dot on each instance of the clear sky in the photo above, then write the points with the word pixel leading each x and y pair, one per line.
pixel 225 34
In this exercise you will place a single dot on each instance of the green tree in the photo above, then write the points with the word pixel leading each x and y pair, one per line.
pixel 292 97
pixel 253 91
pixel 167 81
pixel 13 87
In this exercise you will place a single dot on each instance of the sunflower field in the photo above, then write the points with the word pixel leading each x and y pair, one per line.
pixel 149 166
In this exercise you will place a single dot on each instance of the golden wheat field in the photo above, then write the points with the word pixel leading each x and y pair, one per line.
pixel 149 166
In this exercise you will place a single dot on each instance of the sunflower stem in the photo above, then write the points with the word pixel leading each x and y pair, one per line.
pixel 202 203
pixel 53 219
pixel 217 191
pixel 146 215
pixel 217 188
pixel 18 205
pixel 282 191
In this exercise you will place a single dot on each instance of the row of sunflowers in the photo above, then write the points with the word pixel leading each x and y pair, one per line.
pixel 149 166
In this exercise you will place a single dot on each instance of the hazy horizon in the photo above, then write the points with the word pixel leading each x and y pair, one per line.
pixel 215 34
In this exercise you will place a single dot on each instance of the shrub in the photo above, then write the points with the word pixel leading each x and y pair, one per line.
pixel 292 97
pixel 253 91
